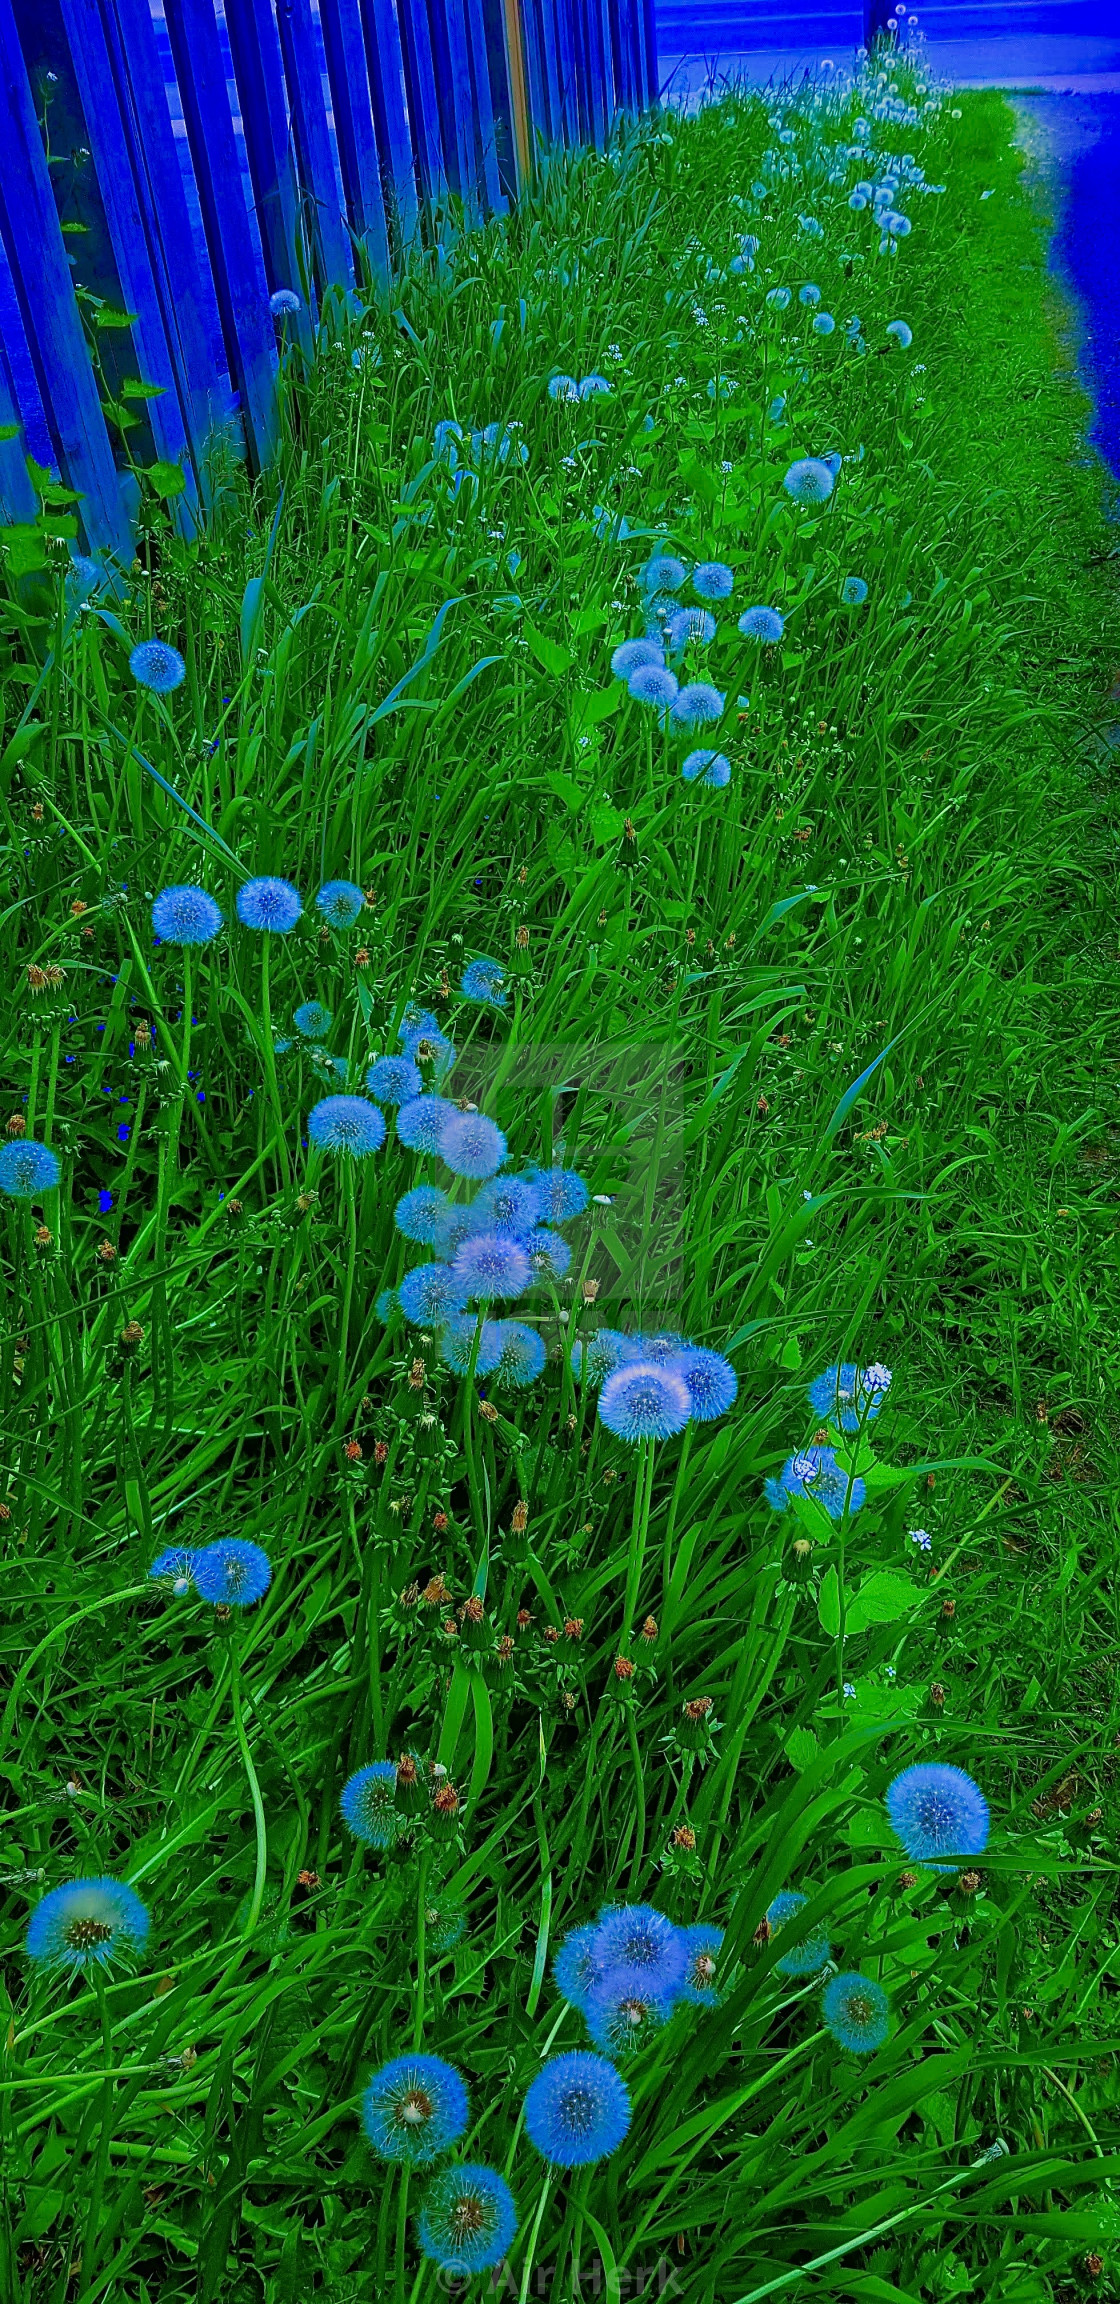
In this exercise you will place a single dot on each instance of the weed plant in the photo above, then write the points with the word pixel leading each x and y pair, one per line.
pixel 439 1664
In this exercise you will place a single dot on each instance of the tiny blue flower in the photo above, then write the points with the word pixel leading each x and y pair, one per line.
pixel 806 1955
pixel 349 1124
pixel 593 386
pixel 577 2110
pixel 414 2108
pixel 703 1945
pixel 232 1572
pixel 633 653
pixel 763 624
pixel 577 1967
pixel 713 768
pixel 156 666
pixel 938 1811
pixel 457 1344
pixel 273 905
pixel 850 1395
pixel 815 1472
pixel 621 2015
pixel 508 1204
pixel 857 2012
pixel 713 580
pixel 185 916
pixel 491 1264
pixel 27 1168
pixel 562 1193
pixel 472 1145
pixel 340 902
pixel 104 1202
pixel 563 388
pixel 484 980
pixel 86 1924
pixel 312 1019
pixel 602 1354
pixel 809 294
pixel 395 1080
pixel 853 591
pixel 823 324
pixel 523 1354
pixel 282 301
pixel 696 704
pixel 922 1538
pixel 422 1214
pixel 368 1804
pixel 691 625
pixel 903 335
pixel 422 1123
pixel 176 1568
pixel 809 481
pixel 662 574
pixel 468 2220
pixel 710 1380
pixel 653 684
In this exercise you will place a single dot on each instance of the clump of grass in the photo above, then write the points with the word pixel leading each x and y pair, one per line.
pixel 827 1040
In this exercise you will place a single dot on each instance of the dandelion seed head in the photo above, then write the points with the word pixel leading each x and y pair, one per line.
pixel 763 624
pixel 422 1214
pixel 814 1472
pixel 340 902
pixel 484 981
pixel 713 580
pixel 643 1402
pixel 561 1193
pixel 810 294
pixel 395 1079
pixel 471 1144
pixel 155 665
pixel 903 336
pixel 653 684
pixel 491 1264
pixel 563 388
pixel 284 300
pixel 27 1168
pixel 457 1344
pixel 508 1204
pixel 809 480
pixel 431 1294
pixel 87 1924
pixel 938 1811
pixel 711 768
pixel 414 2109
pixel 823 324
pixel 423 1122
pixel 691 626
pixel 848 1394
pixel 696 704
pixel 806 1954
pixel 368 1804
pixel 710 1380
pixel 349 1124
pixel 312 1019
pixel 577 2110
pixel 703 1945
pixel 523 1354
pixel 637 1944
pixel 634 653
pixel 662 574
pixel 621 2017
pixel 468 2219
pixel 232 1573
pixel 857 2012
pixel 576 1966
pixel 549 1253
pixel 185 916
pixel 271 905
pixel 853 591
pixel 593 387
pixel 174 1567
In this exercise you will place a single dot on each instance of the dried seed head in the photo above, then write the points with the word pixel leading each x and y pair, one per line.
pixel 968 1883
pixel 649 1629
pixel 487 1410
pixel 43 1237
pixel 684 1837
pixel 417 1376
pixel 361 956
pixel 552 1634
pixel 523 938
pixel 524 1619
pixel 937 1696
pixel 573 1627
pixel 763 1932
pixel 439 1522
pixel 353 1451
pixel 949 1608
pixel 380 1451
pixel 472 1611
pixel 698 1709
pixel 589 1291
pixel 107 1254
pixel 132 1336
pixel 519 1517
pixel 907 1879
pixel 623 1668
pixel 410 1596
pixel 17 1125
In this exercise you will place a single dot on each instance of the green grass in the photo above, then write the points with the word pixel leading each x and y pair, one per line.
pixel 910 882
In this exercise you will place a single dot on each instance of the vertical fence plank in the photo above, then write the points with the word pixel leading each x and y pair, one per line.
pixel 510 32
pixel 333 261
pixel 18 500
pixel 234 258
pixel 60 357
pixel 647 48
pixel 109 145
pixel 423 107
pixel 491 98
pixel 455 98
pixel 259 72
pixel 385 65
pixel 351 103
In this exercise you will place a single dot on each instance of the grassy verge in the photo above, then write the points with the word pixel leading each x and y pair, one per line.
pixel 832 1046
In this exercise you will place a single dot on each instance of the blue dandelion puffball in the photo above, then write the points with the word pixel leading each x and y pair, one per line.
pixel 414 2108
pixel 809 481
pixel 484 980
pixel 548 1252
pixel 395 1080
pixel 472 1145
pixel 593 387
pixel 710 1380
pixel 491 1264
pixel 832 462
pixel 312 1019
pixel 563 388
pixel 621 2018
pixel 422 1214
pixel 27 1168
pixel 156 666
pixel 643 1402
pixel 602 1354
pixel 561 1192
pixel 903 336
pixel 703 1945
pixel 711 768
pixel 271 905
pixel 938 1811
pixel 810 294
pixel 87 1924
pixel 425 1043
pixel 695 705
pixel 635 1943
pixel 507 1204
pixel 458 1348
pixel 857 2012
pixel 185 916
pixel 814 1472
pixel 232 1573
pixel 687 625
pixel 368 1804
pixel 778 299
pixel 348 1124
pixel 659 1348
pixel 633 654
pixel 283 301
pixel 652 684
pixel 430 1294
pixel 853 591
pixel 805 1955
pixel 850 1395
pixel 423 1122
pixel 175 1567
pixel 662 574
pixel 713 580
pixel 468 2220
pixel 523 1354
pixel 823 324
pixel 763 624
pixel 577 2110
pixel 577 1967
pixel 340 902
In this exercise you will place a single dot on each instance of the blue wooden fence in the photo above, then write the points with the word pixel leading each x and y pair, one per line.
pixel 178 161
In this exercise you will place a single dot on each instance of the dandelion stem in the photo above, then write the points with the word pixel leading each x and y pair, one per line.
pixel 530 2253
pixel 402 2227
pixel 270 1060
pixel 257 1898
pixel 348 1292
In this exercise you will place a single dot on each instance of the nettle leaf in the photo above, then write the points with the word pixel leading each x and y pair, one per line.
pixel 884 1597
pixel 134 388
pixel 167 479
pixel 107 316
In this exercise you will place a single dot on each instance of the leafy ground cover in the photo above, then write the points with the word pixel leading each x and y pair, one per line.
pixel 832 1045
